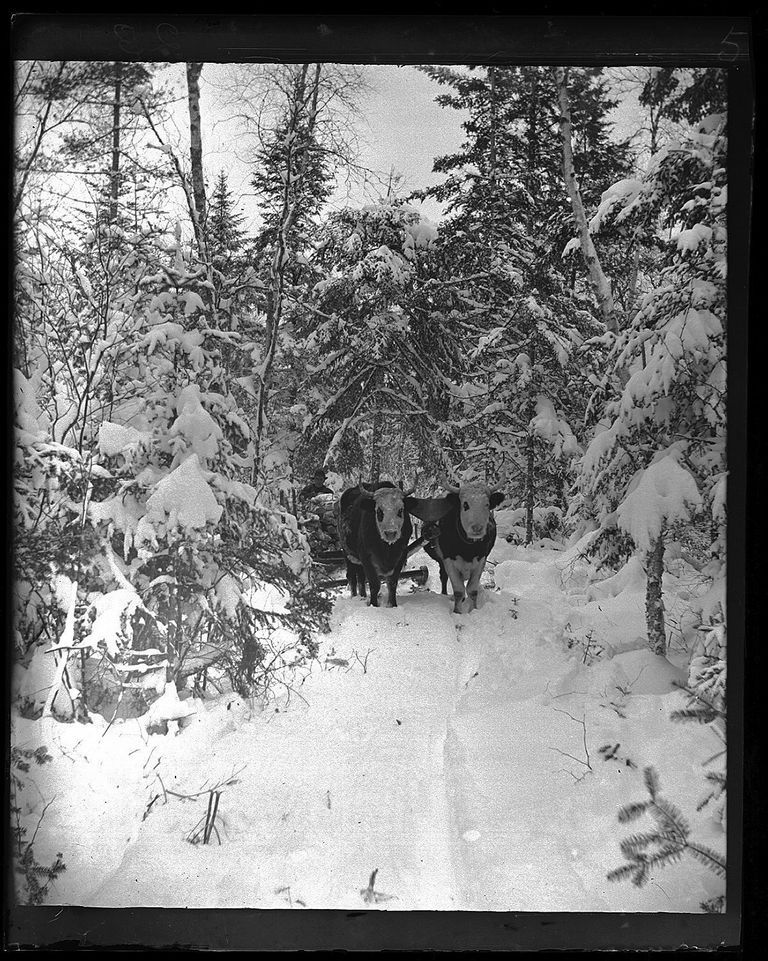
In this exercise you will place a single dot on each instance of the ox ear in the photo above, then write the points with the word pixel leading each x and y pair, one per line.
pixel 496 498
pixel 428 509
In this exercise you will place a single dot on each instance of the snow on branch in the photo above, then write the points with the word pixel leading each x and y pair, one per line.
pixel 659 495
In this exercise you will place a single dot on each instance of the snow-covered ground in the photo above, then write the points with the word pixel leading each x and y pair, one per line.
pixel 458 756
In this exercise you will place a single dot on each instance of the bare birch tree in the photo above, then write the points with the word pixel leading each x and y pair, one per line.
pixel 600 283
pixel 196 157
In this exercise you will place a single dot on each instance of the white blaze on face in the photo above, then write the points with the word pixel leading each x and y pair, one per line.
pixel 389 511
pixel 474 510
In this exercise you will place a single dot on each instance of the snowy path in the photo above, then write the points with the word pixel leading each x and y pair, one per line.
pixel 458 755
pixel 370 755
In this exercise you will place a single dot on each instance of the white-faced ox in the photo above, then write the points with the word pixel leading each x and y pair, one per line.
pixel 462 539
pixel 374 531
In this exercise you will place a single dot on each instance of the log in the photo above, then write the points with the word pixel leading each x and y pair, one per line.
pixel 420 575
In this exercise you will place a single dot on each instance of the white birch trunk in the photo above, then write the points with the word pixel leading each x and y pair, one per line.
pixel 196 156
pixel 600 283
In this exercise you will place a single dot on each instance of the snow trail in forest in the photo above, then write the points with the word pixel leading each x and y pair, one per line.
pixel 332 774
pixel 456 755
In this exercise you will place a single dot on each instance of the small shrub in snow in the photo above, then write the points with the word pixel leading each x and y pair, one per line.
pixel 201 833
pixel 587 646
pixel 35 878
pixel 548 524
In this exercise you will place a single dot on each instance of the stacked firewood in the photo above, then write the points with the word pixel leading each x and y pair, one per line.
pixel 320 522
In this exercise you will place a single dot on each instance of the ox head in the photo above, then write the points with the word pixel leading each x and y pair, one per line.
pixel 388 505
pixel 475 503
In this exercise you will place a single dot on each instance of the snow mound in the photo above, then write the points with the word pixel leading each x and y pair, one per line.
pixel 168 707
pixel 31 424
pixel 184 495
pixel 638 671
pixel 547 425
pixel 523 576
pixel 194 426
pixel 112 610
pixel 116 438
pixel 630 578
pixel 663 493
pixel 31 684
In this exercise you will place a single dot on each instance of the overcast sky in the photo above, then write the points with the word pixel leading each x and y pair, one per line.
pixel 401 128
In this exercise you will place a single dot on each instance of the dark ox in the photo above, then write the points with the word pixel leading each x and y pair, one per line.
pixel 374 531
pixel 461 540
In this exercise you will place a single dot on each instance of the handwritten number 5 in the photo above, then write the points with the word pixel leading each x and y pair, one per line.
pixel 734 48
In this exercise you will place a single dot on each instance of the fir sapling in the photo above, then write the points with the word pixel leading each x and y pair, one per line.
pixel 664 844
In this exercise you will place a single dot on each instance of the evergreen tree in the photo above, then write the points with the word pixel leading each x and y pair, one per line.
pixel 511 291
pixel 686 96
pixel 226 234
pixel 667 423
pixel 379 354
pixel 293 169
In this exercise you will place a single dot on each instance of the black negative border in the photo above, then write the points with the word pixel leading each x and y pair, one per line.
pixel 609 40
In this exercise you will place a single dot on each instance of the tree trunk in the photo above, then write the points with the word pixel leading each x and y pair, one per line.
pixel 530 474
pixel 600 282
pixel 196 156
pixel 376 425
pixel 632 294
pixel 114 175
pixel 529 486
pixel 533 135
pixel 654 603
pixel 295 160
pixel 493 124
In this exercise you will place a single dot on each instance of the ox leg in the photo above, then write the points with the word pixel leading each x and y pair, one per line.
pixel 392 585
pixel 443 579
pixel 473 584
pixel 457 581
pixel 374 585
pixel 352 578
pixel 392 589
pixel 361 580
